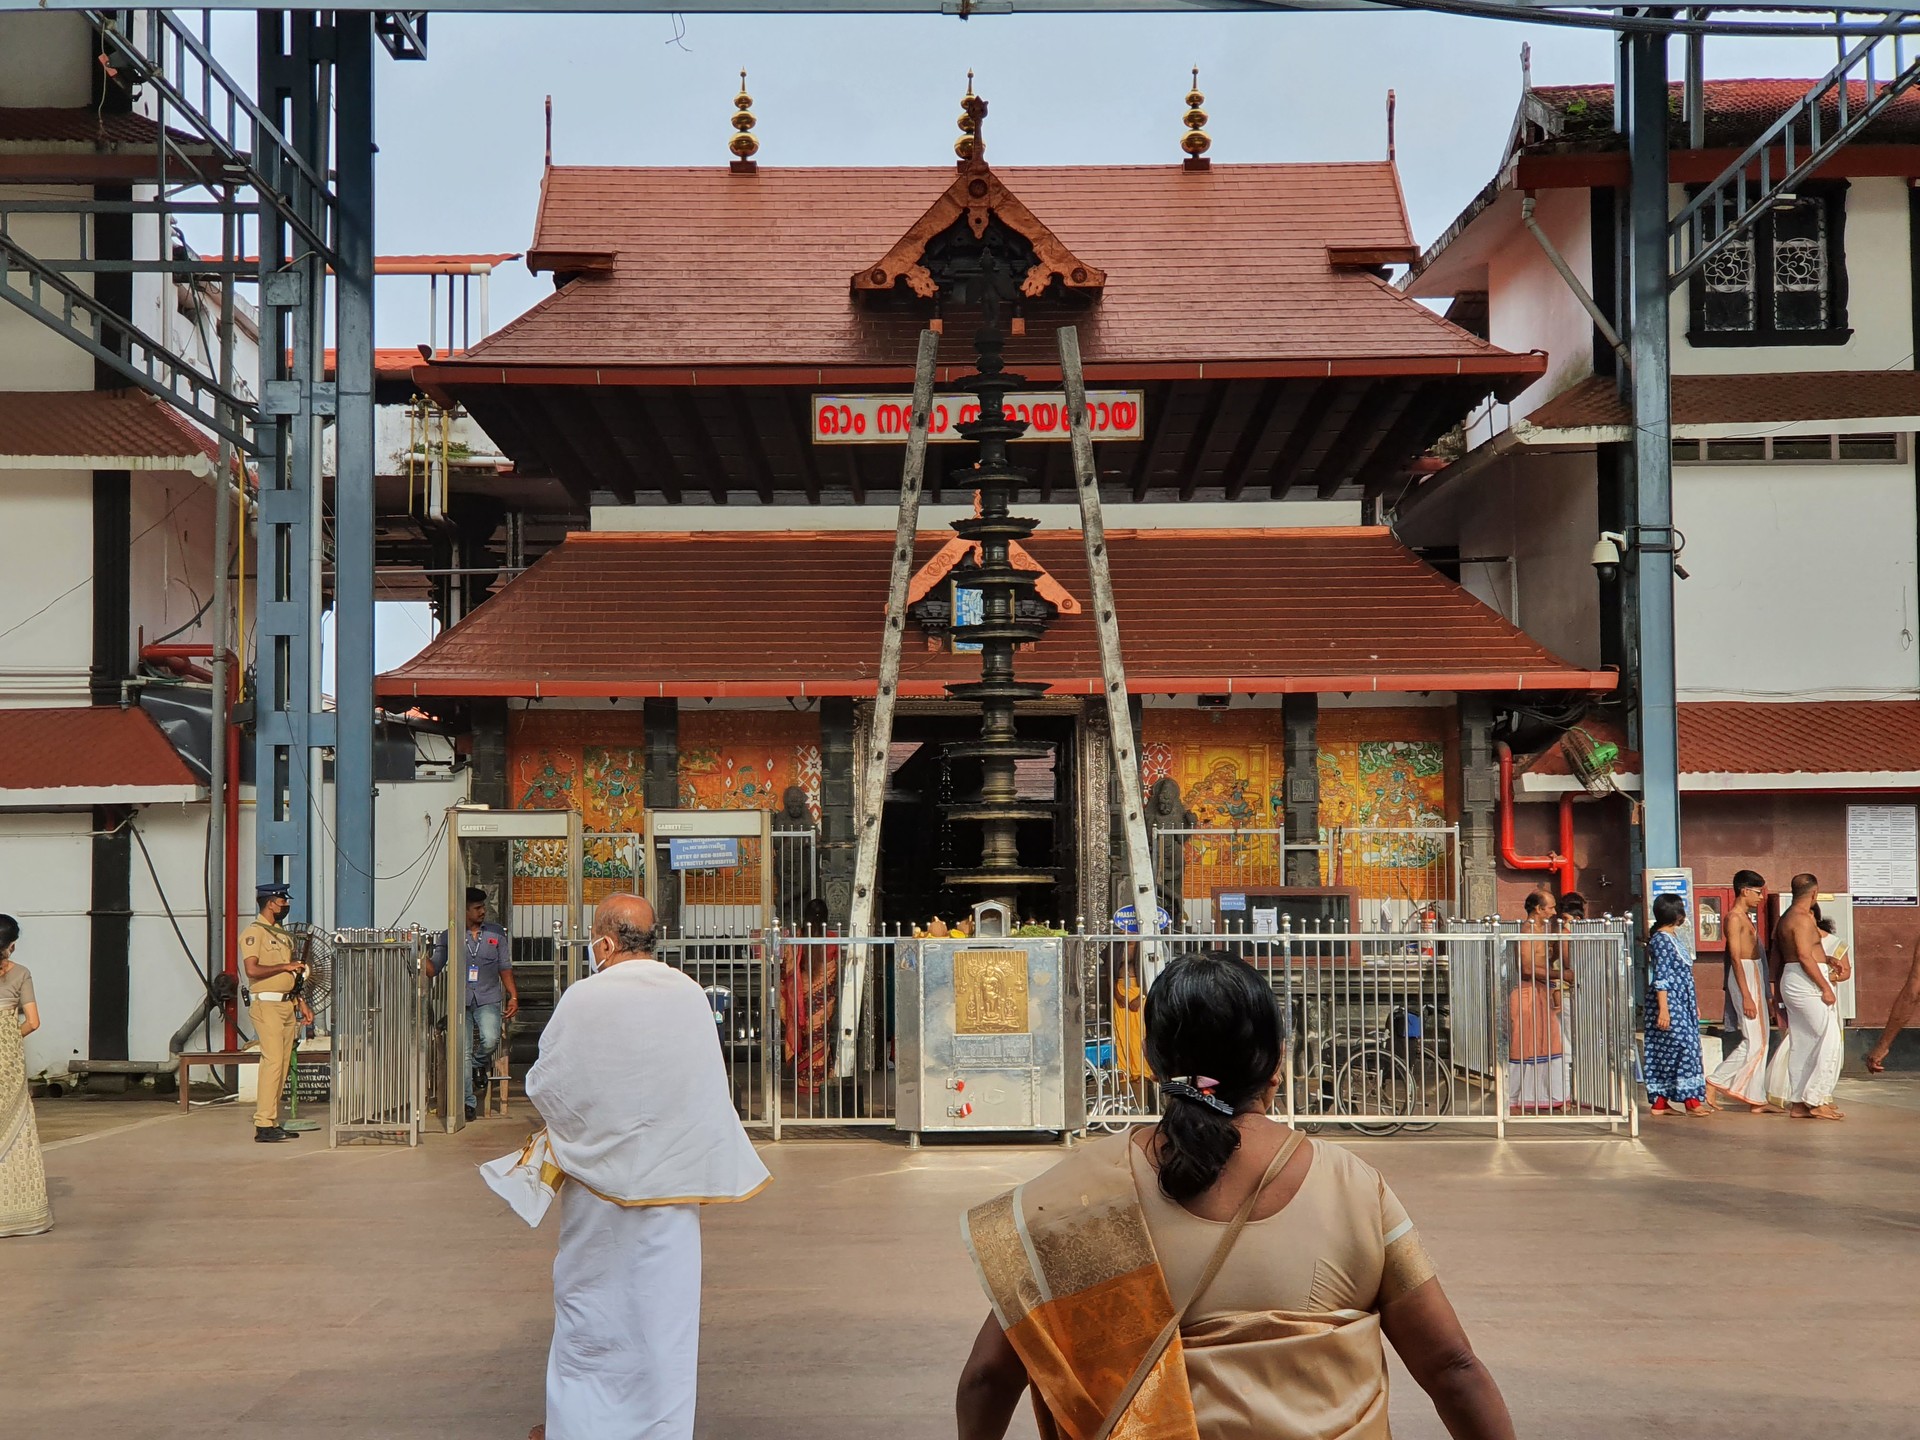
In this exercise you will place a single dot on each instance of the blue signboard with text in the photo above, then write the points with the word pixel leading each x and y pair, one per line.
pixel 703 852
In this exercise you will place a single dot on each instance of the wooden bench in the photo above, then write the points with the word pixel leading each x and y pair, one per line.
pixel 212 1059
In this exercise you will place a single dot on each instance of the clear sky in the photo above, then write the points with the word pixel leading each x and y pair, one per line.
pixel 461 135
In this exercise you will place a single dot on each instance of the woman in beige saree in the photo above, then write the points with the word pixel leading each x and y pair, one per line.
pixel 23 1177
pixel 1216 1276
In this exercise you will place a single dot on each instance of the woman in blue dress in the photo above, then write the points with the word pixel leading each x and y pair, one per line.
pixel 1676 1076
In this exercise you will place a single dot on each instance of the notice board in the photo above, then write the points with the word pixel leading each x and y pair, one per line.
pixel 1883 854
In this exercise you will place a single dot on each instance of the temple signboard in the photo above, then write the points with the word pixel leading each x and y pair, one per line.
pixel 884 419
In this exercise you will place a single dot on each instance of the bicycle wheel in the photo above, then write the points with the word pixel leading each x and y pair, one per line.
pixel 1373 1081
pixel 1432 1090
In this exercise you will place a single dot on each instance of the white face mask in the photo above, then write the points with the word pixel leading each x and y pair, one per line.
pixel 593 956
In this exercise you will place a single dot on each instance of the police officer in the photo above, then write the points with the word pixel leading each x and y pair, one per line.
pixel 277 1012
pixel 492 996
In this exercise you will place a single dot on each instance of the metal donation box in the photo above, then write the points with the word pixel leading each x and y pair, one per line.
pixel 984 1039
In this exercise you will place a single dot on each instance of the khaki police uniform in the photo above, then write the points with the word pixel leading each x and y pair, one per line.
pixel 275 1015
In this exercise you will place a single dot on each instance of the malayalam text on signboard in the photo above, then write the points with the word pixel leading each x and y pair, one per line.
pixel 1883 854
pixel 885 419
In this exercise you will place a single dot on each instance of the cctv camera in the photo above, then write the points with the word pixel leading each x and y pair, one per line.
pixel 1606 555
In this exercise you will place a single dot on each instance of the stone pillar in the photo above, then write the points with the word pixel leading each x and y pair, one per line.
pixel 1479 802
pixel 1094 811
pixel 836 806
pixel 1300 726
pixel 487 784
pixel 660 790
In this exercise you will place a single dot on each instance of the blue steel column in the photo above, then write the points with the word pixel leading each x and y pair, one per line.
pixel 293 396
pixel 1643 81
pixel 353 476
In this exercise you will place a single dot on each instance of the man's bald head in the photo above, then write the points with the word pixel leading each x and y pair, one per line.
pixel 628 921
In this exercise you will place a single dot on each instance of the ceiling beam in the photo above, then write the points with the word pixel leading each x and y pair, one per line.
pixel 1326 395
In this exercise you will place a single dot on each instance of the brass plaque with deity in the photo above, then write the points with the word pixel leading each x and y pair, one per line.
pixel 990 992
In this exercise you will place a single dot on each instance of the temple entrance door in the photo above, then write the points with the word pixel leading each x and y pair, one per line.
pixel 918 844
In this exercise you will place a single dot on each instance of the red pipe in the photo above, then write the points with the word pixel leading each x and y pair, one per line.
pixel 1561 861
pixel 176 658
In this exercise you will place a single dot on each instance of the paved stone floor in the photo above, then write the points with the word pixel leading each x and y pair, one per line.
pixel 1732 1276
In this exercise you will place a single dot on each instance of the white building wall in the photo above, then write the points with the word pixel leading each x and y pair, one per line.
pixel 45 862
pixel 45 59
pixel 1541 512
pixel 1879 298
pixel 1530 306
pixel 32 356
pixel 46 605
pixel 1803 582
pixel 166 986
pixel 171 556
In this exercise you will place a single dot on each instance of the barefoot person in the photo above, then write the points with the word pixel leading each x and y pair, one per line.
pixel 1898 1016
pixel 1130 1291
pixel 1807 1000
pixel 642 1132
pixel 1741 1075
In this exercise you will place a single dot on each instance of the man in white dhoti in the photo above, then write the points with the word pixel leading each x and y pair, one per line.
pixel 1742 1073
pixel 1807 999
pixel 641 1132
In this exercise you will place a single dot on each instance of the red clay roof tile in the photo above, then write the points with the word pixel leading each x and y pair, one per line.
pixel 1812 737
pixel 99 423
pixel 716 269
pixel 1770 399
pixel 1737 111
pixel 93 747
pixel 789 614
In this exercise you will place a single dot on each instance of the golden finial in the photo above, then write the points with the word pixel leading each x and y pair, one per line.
pixel 971 147
pixel 1196 142
pixel 743 145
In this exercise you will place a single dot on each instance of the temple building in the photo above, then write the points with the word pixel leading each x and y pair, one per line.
pixel 720 380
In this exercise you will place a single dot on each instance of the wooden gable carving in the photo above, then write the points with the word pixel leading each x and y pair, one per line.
pixel 978 195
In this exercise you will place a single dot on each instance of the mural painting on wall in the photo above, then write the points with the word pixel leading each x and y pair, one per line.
pixel 595 762
pixel 1230 767
pixel 1380 769
pixel 580 760
pixel 746 760
pixel 1383 780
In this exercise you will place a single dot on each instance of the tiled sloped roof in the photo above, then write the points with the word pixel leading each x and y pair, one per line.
pixel 1221 265
pixel 1745 399
pixel 98 423
pixel 1793 737
pixel 90 748
pixel 1820 736
pixel 1737 111
pixel 75 125
pixel 789 614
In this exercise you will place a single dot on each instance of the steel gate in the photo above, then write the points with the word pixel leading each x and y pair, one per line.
pixel 380 1023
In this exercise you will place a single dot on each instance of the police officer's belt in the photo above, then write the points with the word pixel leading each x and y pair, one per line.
pixel 280 996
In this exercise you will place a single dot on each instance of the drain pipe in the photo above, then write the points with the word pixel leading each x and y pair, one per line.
pixel 1580 293
pixel 1561 861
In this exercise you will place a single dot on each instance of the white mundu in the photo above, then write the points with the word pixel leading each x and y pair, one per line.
pixel 640 1132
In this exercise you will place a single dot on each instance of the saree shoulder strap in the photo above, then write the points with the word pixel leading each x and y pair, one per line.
pixel 1151 1356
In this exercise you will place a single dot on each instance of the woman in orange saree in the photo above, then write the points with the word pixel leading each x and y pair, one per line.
pixel 809 995
pixel 1216 1276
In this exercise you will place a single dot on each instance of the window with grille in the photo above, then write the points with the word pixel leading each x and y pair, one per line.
pixel 1783 282
pixel 1880 449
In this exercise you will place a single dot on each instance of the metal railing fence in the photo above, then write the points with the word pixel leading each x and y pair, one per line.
pixel 381 1022
pixel 1399 877
pixel 1391 1032
pixel 805 1028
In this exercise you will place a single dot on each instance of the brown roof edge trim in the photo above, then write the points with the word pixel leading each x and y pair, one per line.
pixel 400 684
pixel 1367 256
pixel 1496 364
pixel 583 262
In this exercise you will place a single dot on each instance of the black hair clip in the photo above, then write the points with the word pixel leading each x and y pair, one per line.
pixel 1196 1087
